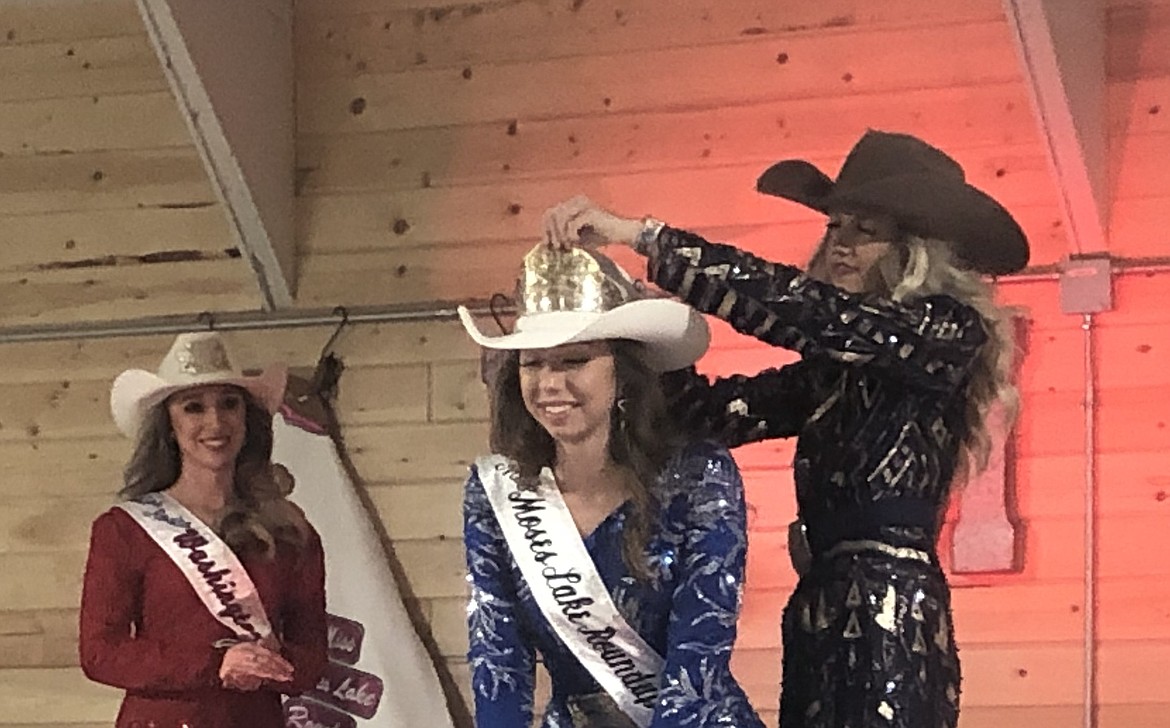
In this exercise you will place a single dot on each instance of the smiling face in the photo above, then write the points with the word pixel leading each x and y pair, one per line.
pixel 209 425
pixel 853 246
pixel 570 390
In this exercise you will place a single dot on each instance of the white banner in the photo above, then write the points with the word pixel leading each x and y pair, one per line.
pixel 379 673
pixel 211 567
pixel 566 586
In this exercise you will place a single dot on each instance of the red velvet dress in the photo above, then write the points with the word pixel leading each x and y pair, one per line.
pixel 144 629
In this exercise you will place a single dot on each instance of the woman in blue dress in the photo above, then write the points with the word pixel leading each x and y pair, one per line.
pixel 595 537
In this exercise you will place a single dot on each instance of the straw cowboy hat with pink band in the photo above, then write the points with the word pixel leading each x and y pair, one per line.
pixel 194 360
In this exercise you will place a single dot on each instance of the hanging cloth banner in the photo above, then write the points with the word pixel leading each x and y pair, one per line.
pixel 379 674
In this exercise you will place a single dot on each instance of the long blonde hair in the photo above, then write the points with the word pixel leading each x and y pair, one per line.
pixel 918 267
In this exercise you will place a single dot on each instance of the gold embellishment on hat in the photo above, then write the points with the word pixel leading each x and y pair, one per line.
pixel 571 280
pixel 203 356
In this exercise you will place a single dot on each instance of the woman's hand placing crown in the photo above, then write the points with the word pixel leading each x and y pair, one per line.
pixel 581 222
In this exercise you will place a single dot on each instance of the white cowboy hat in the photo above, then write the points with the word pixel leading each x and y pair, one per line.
pixel 567 297
pixel 195 359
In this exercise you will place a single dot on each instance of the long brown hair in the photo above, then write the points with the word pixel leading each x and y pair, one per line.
pixel 642 438
pixel 258 515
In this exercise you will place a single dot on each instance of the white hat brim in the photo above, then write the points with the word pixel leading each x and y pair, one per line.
pixel 135 391
pixel 674 334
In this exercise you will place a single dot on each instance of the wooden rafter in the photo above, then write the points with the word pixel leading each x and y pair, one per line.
pixel 230 66
pixel 1061 44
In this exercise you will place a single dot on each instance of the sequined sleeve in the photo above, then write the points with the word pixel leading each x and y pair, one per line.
pixel 929 342
pixel 708 509
pixel 740 409
pixel 501 659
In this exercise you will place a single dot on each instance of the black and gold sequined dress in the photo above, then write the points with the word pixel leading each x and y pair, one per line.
pixel 877 403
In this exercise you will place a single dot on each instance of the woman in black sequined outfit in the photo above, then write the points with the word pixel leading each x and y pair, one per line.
pixel 902 352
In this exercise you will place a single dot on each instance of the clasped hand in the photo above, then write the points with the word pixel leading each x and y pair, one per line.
pixel 248 665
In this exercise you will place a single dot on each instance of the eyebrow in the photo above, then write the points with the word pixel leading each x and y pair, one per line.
pixel 192 397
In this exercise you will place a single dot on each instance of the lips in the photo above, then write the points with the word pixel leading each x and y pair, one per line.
pixel 557 414
pixel 556 408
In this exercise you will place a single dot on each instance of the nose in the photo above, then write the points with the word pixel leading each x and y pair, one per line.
pixel 842 239
pixel 216 416
pixel 552 379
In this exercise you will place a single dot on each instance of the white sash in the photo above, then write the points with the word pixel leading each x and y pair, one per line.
pixel 564 581
pixel 211 567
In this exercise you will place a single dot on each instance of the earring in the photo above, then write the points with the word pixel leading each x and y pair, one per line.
pixel 620 406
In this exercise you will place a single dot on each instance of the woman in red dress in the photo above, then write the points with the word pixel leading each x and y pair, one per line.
pixel 206 628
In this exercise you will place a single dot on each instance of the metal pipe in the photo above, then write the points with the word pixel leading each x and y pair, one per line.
pixel 430 311
pixel 1090 534
pixel 241 321
pixel 1133 266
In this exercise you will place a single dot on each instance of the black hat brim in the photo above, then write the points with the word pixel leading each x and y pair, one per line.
pixel 986 236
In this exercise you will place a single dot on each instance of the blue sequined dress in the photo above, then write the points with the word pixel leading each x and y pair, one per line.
pixel 877 404
pixel 687 611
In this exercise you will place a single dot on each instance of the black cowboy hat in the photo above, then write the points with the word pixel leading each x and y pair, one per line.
pixel 920 186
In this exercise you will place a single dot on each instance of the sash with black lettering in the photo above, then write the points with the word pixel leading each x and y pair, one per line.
pixel 211 567
pixel 566 586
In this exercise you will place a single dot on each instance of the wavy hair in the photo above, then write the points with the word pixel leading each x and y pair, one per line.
pixel 642 438
pixel 918 267
pixel 259 515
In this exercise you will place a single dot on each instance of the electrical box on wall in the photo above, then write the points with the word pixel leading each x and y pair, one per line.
pixel 1086 284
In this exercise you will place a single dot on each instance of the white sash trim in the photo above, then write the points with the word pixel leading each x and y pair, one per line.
pixel 566 586
pixel 211 567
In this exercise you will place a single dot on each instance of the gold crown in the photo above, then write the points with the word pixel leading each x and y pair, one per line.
pixel 576 280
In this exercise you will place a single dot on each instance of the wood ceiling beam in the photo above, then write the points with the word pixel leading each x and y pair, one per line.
pixel 1061 45
pixel 230 66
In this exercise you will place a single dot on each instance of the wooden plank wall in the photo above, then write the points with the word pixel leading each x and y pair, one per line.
pixel 105 208
pixel 432 137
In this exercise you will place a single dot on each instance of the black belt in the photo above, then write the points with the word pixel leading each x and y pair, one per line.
pixel 865 523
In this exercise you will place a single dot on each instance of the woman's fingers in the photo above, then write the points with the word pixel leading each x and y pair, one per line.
pixel 550 236
pixel 245 683
pixel 271 666
pixel 248 661
pixel 581 222
pixel 552 226
pixel 575 211
pixel 565 222
pixel 595 228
